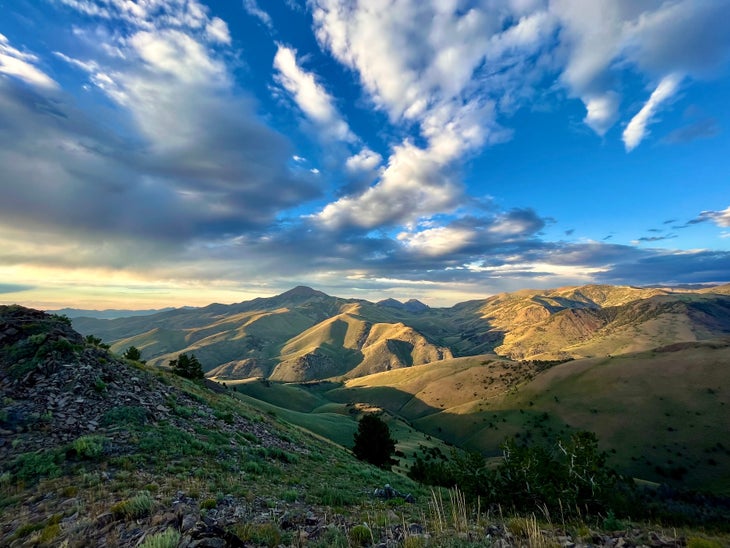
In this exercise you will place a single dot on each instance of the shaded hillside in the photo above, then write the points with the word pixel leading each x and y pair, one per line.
pixel 304 334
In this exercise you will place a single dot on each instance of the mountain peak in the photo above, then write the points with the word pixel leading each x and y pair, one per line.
pixel 412 305
pixel 302 291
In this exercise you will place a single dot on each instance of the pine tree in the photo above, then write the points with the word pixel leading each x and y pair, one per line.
pixel 133 353
pixel 187 366
pixel 373 442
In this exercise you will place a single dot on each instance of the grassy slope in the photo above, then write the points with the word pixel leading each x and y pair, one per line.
pixel 309 407
pixel 658 411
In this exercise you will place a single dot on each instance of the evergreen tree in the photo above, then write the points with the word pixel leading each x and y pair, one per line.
pixel 187 366
pixel 133 353
pixel 373 443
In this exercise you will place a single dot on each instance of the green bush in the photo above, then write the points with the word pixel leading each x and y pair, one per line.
pixel 125 415
pixel 570 475
pixel 208 504
pixel 88 447
pixel 33 466
pixel 137 507
pixel 360 535
pixel 169 538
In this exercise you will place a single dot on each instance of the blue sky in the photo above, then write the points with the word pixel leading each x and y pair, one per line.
pixel 170 152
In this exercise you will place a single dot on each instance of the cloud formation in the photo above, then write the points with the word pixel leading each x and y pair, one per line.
pixel 190 160
pixel 166 167
pixel 636 130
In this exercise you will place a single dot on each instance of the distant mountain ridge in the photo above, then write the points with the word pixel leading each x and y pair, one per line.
pixel 106 314
pixel 305 334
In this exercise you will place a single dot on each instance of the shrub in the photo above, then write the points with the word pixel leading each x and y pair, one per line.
pixel 208 504
pixel 360 535
pixel 169 538
pixel 137 507
pixel 125 415
pixel 697 542
pixel 133 353
pixel 88 447
pixel 33 466
pixel 572 474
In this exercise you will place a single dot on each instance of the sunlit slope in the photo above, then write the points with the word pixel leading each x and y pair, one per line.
pixel 601 320
pixel 350 345
pixel 663 412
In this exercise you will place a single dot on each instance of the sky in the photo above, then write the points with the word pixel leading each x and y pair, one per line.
pixel 181 152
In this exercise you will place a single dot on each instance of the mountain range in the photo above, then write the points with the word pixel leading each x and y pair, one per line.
pixel 305 335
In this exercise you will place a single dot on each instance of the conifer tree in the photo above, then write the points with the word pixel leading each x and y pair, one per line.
pixel 373 442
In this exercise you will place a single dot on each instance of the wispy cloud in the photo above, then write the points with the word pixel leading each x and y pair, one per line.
pixel 311 97
pixel 252 8
pixel 636 129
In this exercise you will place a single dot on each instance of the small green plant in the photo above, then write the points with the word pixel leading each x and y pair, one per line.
pixel 361 535
pixel 49 533
pixel 92 340
pixel 137 507
pixel 253 467
pixel 611 523
pixel 99 385
pixel 209 504
pixel 169 538
pixel 125 415
pixel 88 447
pixel 290 495
pixel 33 466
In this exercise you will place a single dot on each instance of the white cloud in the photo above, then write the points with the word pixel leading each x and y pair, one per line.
pixel 720 218
pixel 14 62
pixel 601 111
pixel 217 31
pixel 434 242
pixel 438 66
pixel 413 185
pixel 310 96
pixel 365 161
pixel 253 9
pixel 656 37
pixel 636 130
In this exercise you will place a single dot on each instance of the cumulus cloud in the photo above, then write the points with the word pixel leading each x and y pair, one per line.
pixel 436 66
pixel 413 185
pixel 636 129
